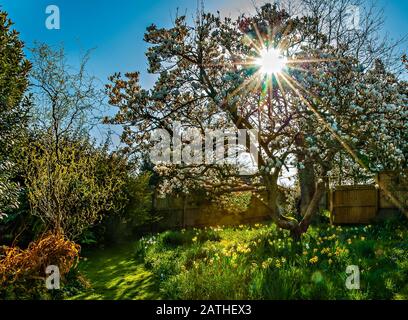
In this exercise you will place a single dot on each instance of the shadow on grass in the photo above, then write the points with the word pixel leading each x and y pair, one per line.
pixel 116 274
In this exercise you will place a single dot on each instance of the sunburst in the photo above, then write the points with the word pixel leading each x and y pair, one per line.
pixel 271 61
pixel 274 66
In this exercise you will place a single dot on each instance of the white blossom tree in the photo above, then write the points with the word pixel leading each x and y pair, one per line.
pixel 270 72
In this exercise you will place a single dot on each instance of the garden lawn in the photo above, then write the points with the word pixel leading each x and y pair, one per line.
pixel 262 262
pixel 116 274
pixel 254 262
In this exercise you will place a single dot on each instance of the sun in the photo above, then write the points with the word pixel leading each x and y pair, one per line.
pixel 271 61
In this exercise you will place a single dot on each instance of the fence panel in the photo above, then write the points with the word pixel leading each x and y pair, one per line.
pixel 393 190
pixel 353 204
pixel 196 211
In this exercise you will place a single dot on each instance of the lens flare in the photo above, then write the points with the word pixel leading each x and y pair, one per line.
pixel 271 61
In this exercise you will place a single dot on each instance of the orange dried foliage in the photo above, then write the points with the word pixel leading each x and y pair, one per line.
pixel 51 249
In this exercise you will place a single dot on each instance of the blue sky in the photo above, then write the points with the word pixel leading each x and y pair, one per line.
pixel 115 28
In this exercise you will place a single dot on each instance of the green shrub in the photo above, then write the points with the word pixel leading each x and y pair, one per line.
pixel 188 237
pixel 134 202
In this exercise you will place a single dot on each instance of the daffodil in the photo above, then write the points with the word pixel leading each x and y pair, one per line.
pixel 325 250
pixel 314 260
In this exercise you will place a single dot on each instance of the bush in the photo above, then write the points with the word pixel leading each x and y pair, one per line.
pixel 188 237
pixel 233 203
pixel 22 272
pixel 135 213
pixel 71 188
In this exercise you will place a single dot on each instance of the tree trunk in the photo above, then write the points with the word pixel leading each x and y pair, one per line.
pixel 306 175
pixel 272 203
pixel 310 212
pixel 307 186
pixel 296 228
pixel 313 207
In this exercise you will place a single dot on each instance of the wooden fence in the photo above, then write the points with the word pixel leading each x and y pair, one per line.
pixel 347 204
pixel 363 204
pixel 393 191
pixel 353 204
pixel 196 211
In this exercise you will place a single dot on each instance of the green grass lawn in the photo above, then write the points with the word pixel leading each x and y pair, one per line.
pixel 253 262
pixel 115 274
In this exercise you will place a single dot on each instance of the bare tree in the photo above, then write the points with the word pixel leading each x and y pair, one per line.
pixel 66 98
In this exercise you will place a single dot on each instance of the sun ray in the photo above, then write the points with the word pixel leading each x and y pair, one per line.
pixel 252 42
pixel 344 144
pixel 244 85
pixel 282 90
pixel 298 68
pixel 298 61
pixel 290 82
pixel 258 34
pixel 268 72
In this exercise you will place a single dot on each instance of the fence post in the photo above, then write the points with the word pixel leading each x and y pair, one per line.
pixel 378 193
pixel 183 216
pixel 331 207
